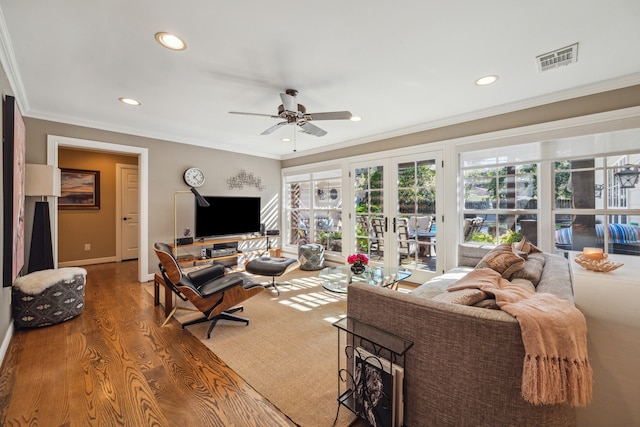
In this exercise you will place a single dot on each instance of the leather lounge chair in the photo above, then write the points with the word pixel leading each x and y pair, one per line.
pixel 212 292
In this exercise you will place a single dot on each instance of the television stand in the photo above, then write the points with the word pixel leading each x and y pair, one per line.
pixel 246 245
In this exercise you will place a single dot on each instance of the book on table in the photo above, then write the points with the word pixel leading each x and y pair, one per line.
pixel 378 386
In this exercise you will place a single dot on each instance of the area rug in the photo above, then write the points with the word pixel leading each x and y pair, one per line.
pixel 289 350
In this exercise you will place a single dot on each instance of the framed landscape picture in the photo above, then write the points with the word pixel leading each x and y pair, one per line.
pixel 14 135
pixel 80 189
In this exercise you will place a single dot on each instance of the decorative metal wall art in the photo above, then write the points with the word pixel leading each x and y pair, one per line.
pixel 243 178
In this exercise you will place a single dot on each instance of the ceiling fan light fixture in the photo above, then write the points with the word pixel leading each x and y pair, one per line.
pixel 130 101
pixel 170 41
pixel 486 80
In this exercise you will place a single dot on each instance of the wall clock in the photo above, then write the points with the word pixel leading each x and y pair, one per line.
pixel 194 177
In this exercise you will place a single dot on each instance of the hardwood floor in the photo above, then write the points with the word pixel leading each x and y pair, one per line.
pixel 114 365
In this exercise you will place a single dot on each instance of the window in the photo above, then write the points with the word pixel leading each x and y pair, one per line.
pixel 569 189
pixel 592 209
pixel 313 209
pixel 500 203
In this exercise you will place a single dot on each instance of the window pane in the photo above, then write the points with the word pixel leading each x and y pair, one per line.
pixel 375 177
pixel 623 236
pixel 406 175
pixel 578 233
pixel 406 201
pixel 479 192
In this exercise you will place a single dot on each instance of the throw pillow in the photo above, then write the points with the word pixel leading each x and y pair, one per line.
pixel 525 246
pixel 523 255
pixel 503 260
pixel 463 296
pixel 531 270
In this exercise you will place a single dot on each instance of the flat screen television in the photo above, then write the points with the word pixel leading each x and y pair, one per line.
pixel 227 216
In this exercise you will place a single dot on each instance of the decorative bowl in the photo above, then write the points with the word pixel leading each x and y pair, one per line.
pixel 603 265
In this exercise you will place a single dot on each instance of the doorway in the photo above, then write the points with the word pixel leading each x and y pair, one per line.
pixel 127 212
pixel 397 210
pixel 55 142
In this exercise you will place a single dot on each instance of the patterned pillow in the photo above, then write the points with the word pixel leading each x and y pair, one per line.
pixel 525 246
pixel 503 260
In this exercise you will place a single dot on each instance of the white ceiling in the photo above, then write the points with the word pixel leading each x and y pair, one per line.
pixel 402 67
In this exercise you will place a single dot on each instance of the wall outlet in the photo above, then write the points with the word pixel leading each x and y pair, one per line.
pixel 87 246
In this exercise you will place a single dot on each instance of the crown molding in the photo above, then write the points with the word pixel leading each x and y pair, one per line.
pixel 8 61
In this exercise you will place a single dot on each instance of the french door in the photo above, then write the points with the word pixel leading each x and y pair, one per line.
pixel 396 211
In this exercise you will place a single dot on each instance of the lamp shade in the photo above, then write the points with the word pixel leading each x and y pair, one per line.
pixel 42 180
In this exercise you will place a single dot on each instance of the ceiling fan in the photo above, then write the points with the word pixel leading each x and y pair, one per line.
pixel 293 113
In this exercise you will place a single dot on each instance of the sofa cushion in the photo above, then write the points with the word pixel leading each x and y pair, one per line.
pixel 503 260
pixel 531 270
pixel 462 296
pixel 439 284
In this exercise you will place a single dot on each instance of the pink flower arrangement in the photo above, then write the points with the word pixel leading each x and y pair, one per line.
pixel 358 259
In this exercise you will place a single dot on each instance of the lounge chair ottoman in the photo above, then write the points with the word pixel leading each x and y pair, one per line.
pixel 271 267
pixel 48 297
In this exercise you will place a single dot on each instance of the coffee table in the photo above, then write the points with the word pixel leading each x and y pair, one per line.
pixel 337 279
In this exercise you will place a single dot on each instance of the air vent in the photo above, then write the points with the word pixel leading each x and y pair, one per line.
pixel 565 56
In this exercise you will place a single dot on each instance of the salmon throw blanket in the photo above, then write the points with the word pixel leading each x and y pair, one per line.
pixel 554 333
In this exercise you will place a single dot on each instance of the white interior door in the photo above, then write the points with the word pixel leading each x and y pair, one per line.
pixel 128 218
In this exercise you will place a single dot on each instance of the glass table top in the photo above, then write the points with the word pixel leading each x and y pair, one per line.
pixel 338 278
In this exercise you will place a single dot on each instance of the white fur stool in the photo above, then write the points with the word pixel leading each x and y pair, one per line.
pixel 48 297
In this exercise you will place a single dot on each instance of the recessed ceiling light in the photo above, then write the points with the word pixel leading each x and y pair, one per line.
pixel 355 118
pixel 130 101
pixel 486 80
pixel 171 41
pixel 285 139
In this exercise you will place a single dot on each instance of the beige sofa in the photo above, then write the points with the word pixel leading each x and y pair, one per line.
pixel 465 367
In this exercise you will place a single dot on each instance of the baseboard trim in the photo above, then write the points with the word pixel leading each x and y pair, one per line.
pixel 82 262
pixel 5 342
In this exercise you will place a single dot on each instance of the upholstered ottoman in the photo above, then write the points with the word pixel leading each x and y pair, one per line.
pixel 48 297
pixel 311 256
pixel 272 267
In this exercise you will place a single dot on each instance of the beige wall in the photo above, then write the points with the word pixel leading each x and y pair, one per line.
pixel 167 162
pixel 96 227
pixel 576 107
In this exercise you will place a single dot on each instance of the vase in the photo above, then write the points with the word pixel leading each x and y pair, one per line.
pixel 357 268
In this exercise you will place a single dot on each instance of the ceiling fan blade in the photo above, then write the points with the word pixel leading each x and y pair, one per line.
pixel 254 114
pixel 333 115
pixel 290 103
pixel 273 128
pixel 311 129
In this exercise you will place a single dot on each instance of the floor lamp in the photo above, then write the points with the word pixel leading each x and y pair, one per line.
pixel 199 199
pixel 201 202
pixel 41 181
